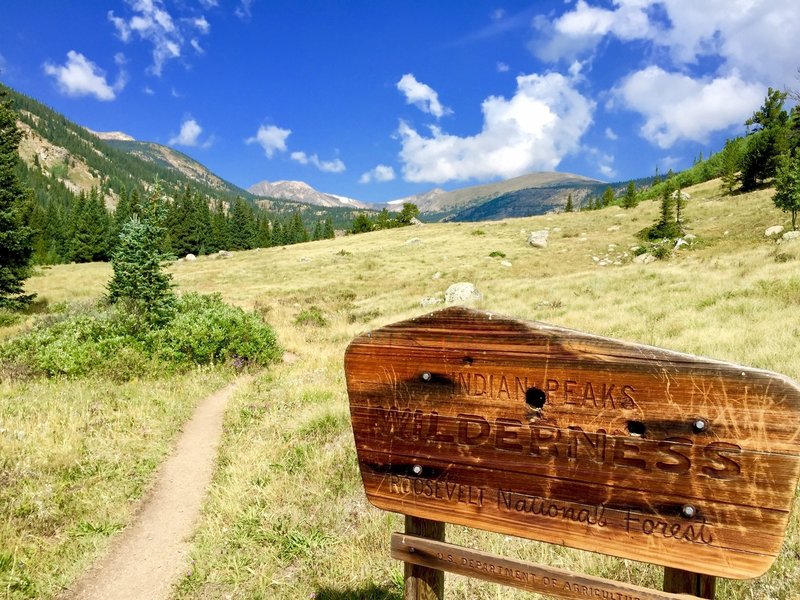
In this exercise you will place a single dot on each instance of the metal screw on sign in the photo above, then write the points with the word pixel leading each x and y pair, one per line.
pixel 426 376
pixel 699 425
pixel 417 469
pixel 688 511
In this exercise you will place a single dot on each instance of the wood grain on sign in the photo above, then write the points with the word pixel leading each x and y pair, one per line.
pixel 541 432
pixel 550 581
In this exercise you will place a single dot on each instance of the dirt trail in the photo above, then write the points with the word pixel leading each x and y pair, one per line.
pixel 151 554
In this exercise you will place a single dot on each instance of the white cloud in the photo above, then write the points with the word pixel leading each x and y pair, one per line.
pixel 502 67
pixel 422 96
pixel 271 138
pixel 201 24
pixel 151 22
pixel 81 77
pixel 209 3
pixel 611 134
pixel 197 47
pixel 190 135
pixel 3 63
pixel 677 107
pixel 244 10
pixel 543 122
pixel 498 14
pixel 326 166
pixel 750 36
pixel 381 173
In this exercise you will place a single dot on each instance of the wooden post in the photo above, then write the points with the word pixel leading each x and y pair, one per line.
pixel 686 582
pixel 423 583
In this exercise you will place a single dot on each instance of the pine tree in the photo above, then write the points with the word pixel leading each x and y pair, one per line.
pixel 629 199
pixel 328 231
pixel 220 227
pixel 243 227
pixel 139 281
pixel 90 230
pixel 729 166
pixel 16 247
pixel 569 207
pixel 608 196
pixel 787 187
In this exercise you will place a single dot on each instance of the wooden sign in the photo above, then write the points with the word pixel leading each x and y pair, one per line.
pixel 531 430
pixel 542 579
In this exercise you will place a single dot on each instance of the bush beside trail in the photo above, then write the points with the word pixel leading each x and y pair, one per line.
pixel 106 340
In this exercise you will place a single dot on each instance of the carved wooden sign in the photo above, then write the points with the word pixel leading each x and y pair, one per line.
pixel 531 430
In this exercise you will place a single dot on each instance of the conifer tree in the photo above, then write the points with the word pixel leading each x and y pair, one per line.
pixel 629 199
pixel 242 225
pixel 220 227
pixel 569 206
pixel 328 231
pixel 729 166
pixel 16 248
pixel 608 197
pixel 787 186
pixel 139 281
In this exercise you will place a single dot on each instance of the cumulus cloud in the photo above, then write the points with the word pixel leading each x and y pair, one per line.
pixel 676 106
pixel 381 173
pixel 81 77
pixel 151 22
pixel 326 166
pixel 502 67
pixel 611 134
pixel 750 37
pixel 422 96
pixel 543 122
pixel 190 135
pixel 271 138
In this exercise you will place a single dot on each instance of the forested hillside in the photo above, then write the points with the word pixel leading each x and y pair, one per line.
pixel 83 188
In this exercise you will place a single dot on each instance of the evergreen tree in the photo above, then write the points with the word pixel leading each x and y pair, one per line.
pixel 629 199
pixel 243 226
pixel 767 142
pixel 680 204
pixel 787 186
pixel 297 232
pixel 361 224
pixel 264 236
pixel 328 231
pixel 569 206
pixel 16 248
pixel 729 166
pixel 139 281
pixel 220 227
pixel 384 220
pixel 608 197
pixel 409 212
pixel 91 231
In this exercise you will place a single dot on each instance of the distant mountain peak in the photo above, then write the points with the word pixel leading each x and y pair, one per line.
pixel 112 135
pixel 300 191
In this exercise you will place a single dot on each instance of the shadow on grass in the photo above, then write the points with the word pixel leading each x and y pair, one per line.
pixel 371 592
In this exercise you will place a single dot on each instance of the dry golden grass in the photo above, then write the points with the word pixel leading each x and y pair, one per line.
pixel 287 517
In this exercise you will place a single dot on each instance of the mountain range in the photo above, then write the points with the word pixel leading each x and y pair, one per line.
pixel 83 159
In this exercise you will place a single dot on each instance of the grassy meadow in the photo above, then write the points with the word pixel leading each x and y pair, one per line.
pixel 286 516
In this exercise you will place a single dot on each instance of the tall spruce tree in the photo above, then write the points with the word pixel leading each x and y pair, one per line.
pixel 569 207
pixel 787 186
pixel 16 247
pixel 629 199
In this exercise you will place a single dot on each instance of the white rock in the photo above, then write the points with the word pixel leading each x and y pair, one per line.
pixel 437 275
pixel 224 254
pixel 690 237
pixel 680 243
pixel 190 257
pixel 462 292
pixel 505 263
pixel 538 239
pixel 412 242
pixel 774 230
pixel 305 259
pixel 644 259
pixel 790 235
pixel 613 228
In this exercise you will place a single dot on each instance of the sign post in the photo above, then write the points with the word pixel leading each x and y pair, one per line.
pixel 536 431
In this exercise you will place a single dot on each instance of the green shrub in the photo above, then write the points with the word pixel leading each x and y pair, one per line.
pixel 107 341
pixel 311 316
pixel 497 254
pixel 478 232
pixel 206 330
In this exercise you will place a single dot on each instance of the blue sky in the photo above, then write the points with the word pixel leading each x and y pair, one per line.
pixel 380 99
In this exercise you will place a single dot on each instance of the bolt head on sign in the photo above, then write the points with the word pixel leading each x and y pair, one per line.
pixel 526 429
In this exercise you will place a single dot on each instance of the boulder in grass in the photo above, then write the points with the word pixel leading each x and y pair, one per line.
pixel 190 257
pixel 774 230
pixel 462 292
pixel 538 239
